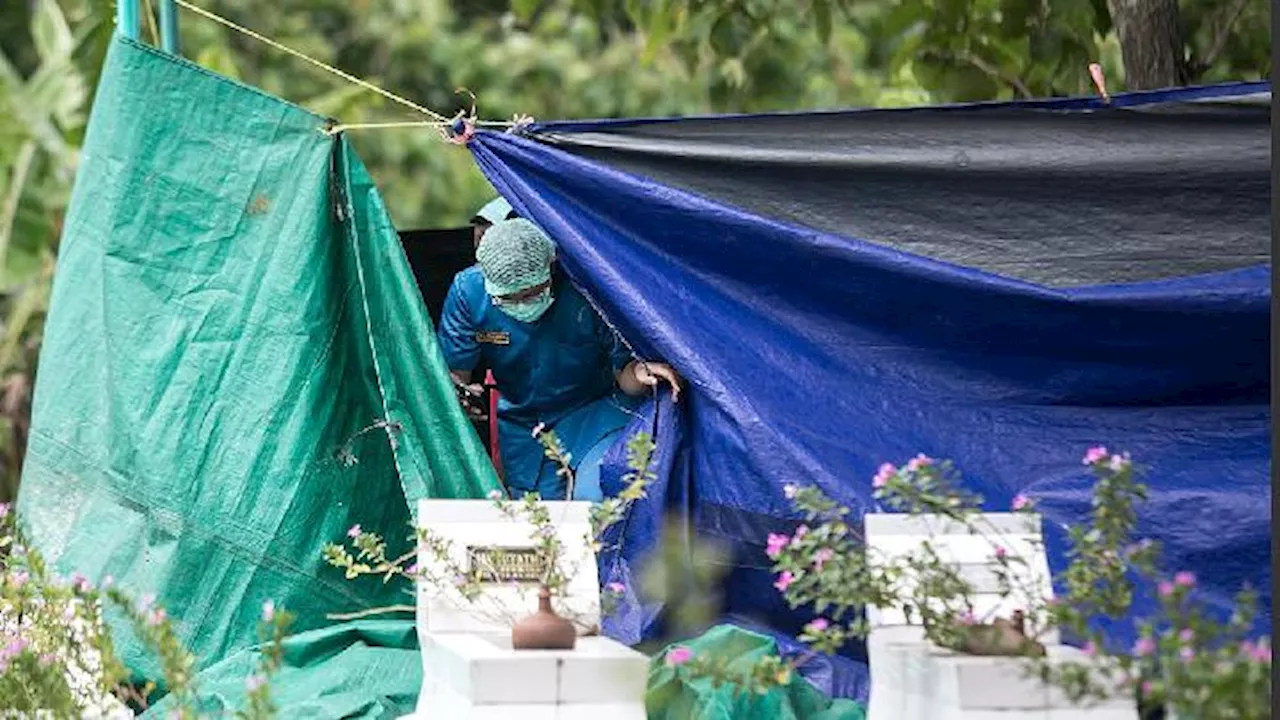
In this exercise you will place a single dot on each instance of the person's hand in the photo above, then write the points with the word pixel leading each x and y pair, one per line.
pixel 471 395
pixel 650 374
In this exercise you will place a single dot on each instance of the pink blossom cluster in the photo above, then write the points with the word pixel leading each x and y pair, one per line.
pixel 1183 580
pixel 678 656
pixel 1100 456
pixel 1259 651
pixel 12 649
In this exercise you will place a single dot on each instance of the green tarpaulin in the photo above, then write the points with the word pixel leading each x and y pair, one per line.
pixel 237 367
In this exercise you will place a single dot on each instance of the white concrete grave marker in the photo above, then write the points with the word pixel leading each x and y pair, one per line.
pixel 911 679
pixel 470 671
pixel 481 537
pixel 893 536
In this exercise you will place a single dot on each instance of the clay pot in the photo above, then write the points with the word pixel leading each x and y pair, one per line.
pixel 1001 638
pixel 543 630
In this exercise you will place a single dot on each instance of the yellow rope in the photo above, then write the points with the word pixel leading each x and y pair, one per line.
pixel 345 76
pixel 408 124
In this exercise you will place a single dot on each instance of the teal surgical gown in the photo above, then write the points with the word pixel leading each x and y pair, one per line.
pixel 557 371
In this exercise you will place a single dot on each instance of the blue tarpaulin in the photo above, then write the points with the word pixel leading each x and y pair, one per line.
pixel 1003 285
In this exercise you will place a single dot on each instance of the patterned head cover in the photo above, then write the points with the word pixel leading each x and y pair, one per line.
pixel 514 255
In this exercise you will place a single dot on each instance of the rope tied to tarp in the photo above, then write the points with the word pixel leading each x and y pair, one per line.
pixel 459 129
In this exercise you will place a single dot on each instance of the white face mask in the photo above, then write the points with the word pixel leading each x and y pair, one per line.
pixel 528 310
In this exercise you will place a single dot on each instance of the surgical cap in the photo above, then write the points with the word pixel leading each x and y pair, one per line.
pixel 514 255
pixel 494 211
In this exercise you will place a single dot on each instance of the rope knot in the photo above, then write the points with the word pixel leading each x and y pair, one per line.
pixel 460 130
pixel 520 124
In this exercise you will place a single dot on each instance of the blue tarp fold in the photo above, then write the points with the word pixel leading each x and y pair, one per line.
pixel 813 357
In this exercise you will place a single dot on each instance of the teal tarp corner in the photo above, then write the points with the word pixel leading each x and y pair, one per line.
pixel 237 366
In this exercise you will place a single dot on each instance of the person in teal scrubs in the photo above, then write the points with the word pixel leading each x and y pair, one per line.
pixel 557 364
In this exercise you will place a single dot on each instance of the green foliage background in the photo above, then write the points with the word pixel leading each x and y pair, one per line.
pixel 549 59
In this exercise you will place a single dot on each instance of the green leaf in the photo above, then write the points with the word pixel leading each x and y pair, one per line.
pixel 50 32
pixel 524 10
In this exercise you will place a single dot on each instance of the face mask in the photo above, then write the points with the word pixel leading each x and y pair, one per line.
pixel 529 310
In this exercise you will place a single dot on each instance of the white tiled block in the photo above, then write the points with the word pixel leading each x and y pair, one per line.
pixel 983 683
pixel 476 672
pixel 897 657
pixel 443 705
pixel 972 688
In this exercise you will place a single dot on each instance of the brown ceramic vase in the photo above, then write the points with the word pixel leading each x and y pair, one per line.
pixel 1002 638
pixel 543 630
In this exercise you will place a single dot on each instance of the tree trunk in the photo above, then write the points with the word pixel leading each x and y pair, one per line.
pixel 1150 43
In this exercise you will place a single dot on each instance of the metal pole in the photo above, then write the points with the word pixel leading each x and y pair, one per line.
pixel 169 27
pixel 128 19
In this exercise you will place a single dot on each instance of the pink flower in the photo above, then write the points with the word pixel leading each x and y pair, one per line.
pixel 967 618
pixel 1187 635
pixel 268 611
pixel 1001 552
pixel 1185 579
pixel 918 462
pixel 355 531
pixel 678 656
pixel 1262 653
pixel 146 601
pixel 1144 647
pixel 789 491
pixel 1021 502
pixel 15 647
pixel 411 570
pixel 1187 654
pixel 883 476
pixel 19 578
pixel 1095 455
pixel 157 617
pixel 800 532
pixel 821 557
pixel 4 510
pixel 775 545
pixel 254 682
pixel 817 625
pixel 1147 688
pixel 48 659
pixel 616 588
pixel 1089 649
pixel 1119 462
pixel 538 429
pixel 1165 588
pixel 784 581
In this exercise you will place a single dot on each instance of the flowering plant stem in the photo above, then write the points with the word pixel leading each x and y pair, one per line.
pixel 1183 660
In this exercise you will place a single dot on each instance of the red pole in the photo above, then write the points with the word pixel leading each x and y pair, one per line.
pixel 494 452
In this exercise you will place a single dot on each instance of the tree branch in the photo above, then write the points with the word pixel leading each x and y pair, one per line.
pixel 1232 15
pixel 1011 80
pixel 992 71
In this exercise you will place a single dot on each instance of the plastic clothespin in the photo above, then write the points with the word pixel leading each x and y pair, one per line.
pixel 1099 81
